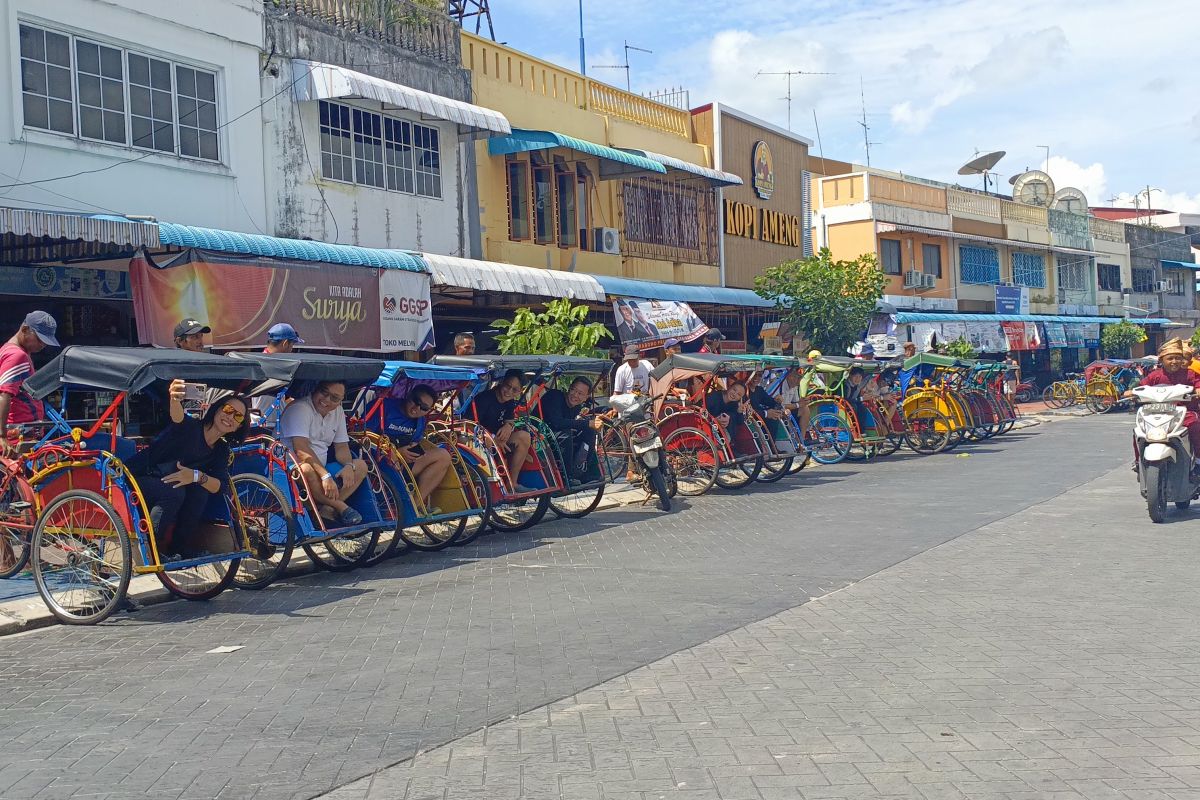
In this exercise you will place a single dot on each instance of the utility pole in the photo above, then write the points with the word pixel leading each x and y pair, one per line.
pixel 1149 205
pixel 582 60
pixel 1046 147
pixel 789 74
pixel 625 66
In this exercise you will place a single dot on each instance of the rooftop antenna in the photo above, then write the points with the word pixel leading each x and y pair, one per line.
pixel 866 128
pixel 625 66
pixel 459 10
pixel 820 145
pixel 789 74
pixel 982 165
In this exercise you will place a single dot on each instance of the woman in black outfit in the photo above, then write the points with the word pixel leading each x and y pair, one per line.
pixel 186 464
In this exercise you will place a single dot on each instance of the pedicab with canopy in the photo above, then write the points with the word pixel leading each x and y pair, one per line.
pixel 1106 381
pixel 932 403
pixel 992 410
pixel 280 511
pixel 94 529
pixel 789 452
pixel 545 472
pixel 460 505
pixel 701 450
pixel 851 426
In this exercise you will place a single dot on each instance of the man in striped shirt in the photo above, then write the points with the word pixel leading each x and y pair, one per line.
pixel 16 407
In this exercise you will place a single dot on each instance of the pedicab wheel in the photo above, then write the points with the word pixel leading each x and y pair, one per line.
pixel 737 476
pixel 432 536
pixel 342 553
pixel 1156 492
pixel 270 527
pixel 614 448
pixel 860 451
pixel 17 519
pixel 928 431
pixel 775 469
pixel 519 515
pixel 388 539
pixel 888 445
pixel 693 459
pixel 201 582
pixel 1183 505
pixel 800 463
pixel 578 504
pixel 476 523
pixel 82 562
pixel 832 438
pixel 1050 398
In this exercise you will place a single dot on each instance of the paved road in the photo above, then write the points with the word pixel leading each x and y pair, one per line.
pixel 341 675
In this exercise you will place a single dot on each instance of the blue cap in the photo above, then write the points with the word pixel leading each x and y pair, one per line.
pixel 671 343
pixel 282 332
pixel 867 350
pixel 43 325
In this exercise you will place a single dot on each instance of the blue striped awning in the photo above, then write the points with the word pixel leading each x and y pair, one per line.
pixel 682 292
pixel 714 177
pixel 906 317
pixel 522 141
pixel 296 249
pixel 1169 264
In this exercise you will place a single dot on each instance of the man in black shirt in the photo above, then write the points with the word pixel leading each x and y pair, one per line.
pixel 564 413
pixel 495 410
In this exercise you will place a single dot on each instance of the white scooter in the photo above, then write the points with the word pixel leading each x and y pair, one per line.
pixel 1164 453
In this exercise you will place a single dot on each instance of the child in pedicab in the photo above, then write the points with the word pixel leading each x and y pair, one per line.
pixel 403 422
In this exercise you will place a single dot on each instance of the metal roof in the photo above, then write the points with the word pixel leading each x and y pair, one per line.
pixel 714 177
pixel 317 81
pixel 889 227
pixel 1170 264
pixel 31 235
pixel 491 276
pixel 683 292
pixel 906 317
pixel 295 249
pixel 521 141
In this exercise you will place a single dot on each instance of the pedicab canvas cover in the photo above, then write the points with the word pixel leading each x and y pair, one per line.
pixel 649 323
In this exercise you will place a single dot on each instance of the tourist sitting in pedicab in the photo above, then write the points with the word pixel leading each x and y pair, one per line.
pixel 495 410
pixel 861 389
pixel 566 413
pixel 403 421
pixel 769 408
pixel 314 427
pixel 186 464
pixel 729 407
pixel 790 399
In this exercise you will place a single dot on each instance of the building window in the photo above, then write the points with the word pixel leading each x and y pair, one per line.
pixel 1073 273
pixel 1110 277
pixel 120 96
pixel 931 259
pixel 889 256
pixel 370 149
pixel 581 206
pixel 1143 281
pixel 568 222
pixel 427 157
pixel 979 264
pixel 46 95
pixel 543 204
pixel 1175 282
pixel 398 155
pixel 670 221
pixel 1029 270
pixel 518 200
pixel 337 152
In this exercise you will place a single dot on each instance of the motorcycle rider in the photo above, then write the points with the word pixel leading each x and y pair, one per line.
pixel 1174 357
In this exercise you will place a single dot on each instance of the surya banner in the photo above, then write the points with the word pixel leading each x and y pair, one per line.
pixel 648 323
pixel 331 305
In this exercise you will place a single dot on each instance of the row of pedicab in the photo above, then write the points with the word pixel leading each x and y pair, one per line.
pixel 1102 385
pixel 74 515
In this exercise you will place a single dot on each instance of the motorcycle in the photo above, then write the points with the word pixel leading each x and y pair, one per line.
pixel 1163 451
pixel 1028 391
pixel 646 445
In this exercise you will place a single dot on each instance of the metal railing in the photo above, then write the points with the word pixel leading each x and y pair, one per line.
pixel 422 28
pixel 606 99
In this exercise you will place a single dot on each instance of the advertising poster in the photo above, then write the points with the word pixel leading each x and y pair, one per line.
pixel 331 305
pixel 1056 335
pixel 986 337
pixel 1091 334
pixel 1022 335
pixel 1074 335
pixel 648 323
pixel 405 312
pixel 48 281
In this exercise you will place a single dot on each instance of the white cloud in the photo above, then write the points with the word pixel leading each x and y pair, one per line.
pixel 1090 180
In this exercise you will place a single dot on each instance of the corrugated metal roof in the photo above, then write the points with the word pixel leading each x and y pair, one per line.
pixel 296 249
pixel 317 81
pixel 521 141
pixel 101 228
pixel 491 276
pixel 906 317
pixel 685 293
pixel 1171 264
pixel 888 227
pixel 715 177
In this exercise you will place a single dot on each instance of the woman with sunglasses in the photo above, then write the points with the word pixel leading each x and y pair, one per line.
pixel 186 464
pixel 404 423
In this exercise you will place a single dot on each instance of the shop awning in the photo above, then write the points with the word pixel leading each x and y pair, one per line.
pixel 317 81
pixel 29 235
pixel 1169 264
pixel 613 162
pixel 685 293
pixel 491 276
pixel 296 249
pixel 714 177
pixel 889 227
pixel 906 317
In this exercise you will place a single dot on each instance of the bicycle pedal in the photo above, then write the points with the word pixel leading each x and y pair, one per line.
pixel 20 505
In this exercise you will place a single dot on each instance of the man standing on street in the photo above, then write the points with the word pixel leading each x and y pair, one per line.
pixel 16 407
pixel 189 335
pixel 633 375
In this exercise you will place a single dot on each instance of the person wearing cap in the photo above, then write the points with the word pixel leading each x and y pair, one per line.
pixel 189 335
pixel 812 378
pixel 712 341
pixel 1173 359
pixel 910 350
pixel 866 352
pixel 633 375
pixel 282 338
pixel 17 408
pixel 671 347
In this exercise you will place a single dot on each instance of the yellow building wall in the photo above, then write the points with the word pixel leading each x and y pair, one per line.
pixel 849 240
pixel 843 190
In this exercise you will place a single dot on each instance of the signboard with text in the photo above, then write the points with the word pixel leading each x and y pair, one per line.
pixel 1012 299
pixel 648 323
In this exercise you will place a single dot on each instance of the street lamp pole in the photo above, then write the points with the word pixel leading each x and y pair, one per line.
pixel 582 60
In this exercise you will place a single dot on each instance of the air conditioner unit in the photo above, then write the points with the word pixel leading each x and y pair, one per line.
pixel 912 279
pixel 1126 290
pixel 607 241
pixel 928 281
pixel 1162 286
pixel 1006 283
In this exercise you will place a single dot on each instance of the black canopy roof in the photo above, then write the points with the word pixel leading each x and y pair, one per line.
pixel 316 367
pixel 574 364
pixel 132 369
pixel 498 365
pixel 706 362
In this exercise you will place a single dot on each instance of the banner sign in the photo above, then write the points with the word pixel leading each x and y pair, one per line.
pixel 1022 335
pixel 1056 334
pixel 99 284
pixel 1091 334
pixel 405 312
pixel 648 323
pixel 1012 299
pixel 1074 335
pixel 332 306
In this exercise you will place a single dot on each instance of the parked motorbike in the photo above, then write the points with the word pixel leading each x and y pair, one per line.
pixel 649 458
pixel 1028 391
pixel 1163 451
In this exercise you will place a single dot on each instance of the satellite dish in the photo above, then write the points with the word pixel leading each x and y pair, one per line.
pixel 981 164
pixel 1034 188
pixel 1071 200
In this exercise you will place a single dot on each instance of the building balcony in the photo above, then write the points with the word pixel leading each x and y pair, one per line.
pixel 1106 230
pixel 970 204
pixel 905 193
pixel 1022 214
pixel 412 26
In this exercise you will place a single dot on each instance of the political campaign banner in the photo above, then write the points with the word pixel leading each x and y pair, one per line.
pixel 648 323
pixel 405 312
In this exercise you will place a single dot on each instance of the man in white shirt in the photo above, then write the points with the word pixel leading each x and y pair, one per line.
pixel 313 426
pixel 633 375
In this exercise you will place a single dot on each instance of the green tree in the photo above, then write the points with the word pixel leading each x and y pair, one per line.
pixel 1119 337
pixel 960 348
pixel 562 329
pixel 827 301
pixel 1195 340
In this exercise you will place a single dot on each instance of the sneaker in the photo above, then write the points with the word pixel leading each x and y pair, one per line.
pixel 351 517
pixel 435 511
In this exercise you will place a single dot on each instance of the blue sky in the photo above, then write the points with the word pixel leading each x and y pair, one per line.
pixel 1106 85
